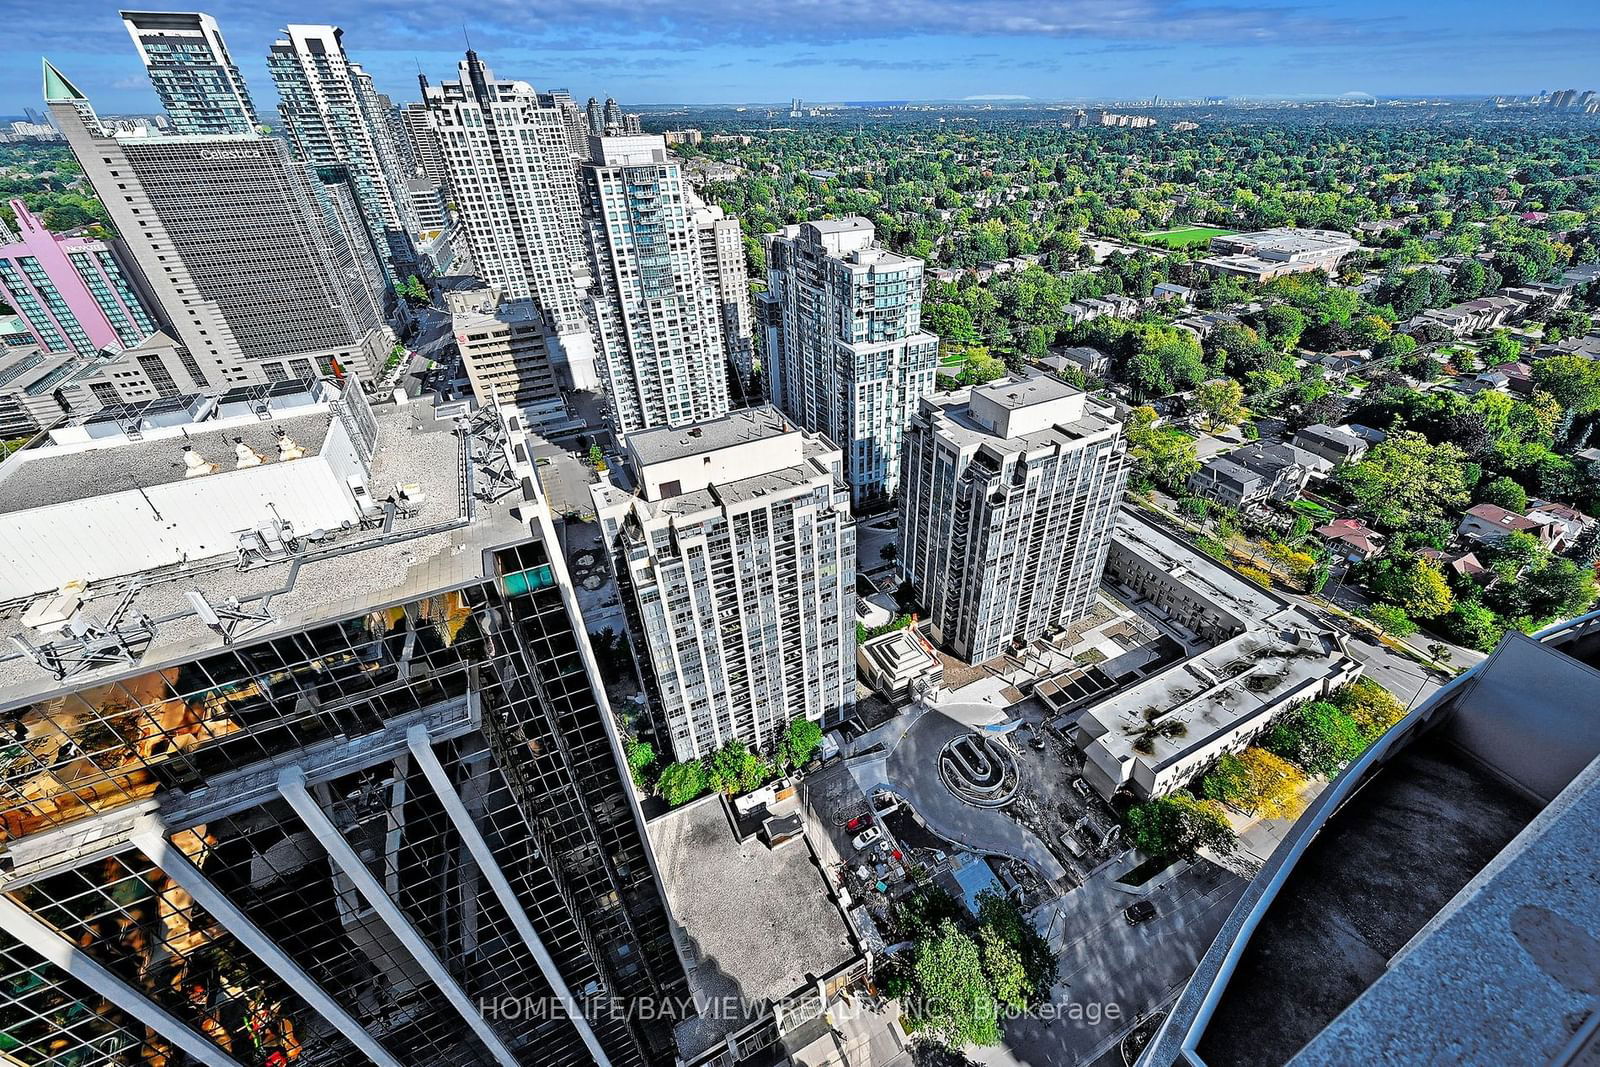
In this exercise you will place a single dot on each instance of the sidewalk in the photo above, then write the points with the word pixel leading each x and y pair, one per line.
pixel 1260 837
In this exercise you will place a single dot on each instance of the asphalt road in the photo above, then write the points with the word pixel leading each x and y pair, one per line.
pixel 1107 964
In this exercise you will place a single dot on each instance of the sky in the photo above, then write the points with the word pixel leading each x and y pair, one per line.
pixel 757 51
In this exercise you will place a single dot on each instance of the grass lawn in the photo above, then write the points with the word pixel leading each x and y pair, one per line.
pixel 1191 235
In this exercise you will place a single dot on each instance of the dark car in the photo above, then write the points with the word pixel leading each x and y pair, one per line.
pixel 1141 911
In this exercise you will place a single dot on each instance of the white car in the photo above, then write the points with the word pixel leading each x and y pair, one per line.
pixel 866 837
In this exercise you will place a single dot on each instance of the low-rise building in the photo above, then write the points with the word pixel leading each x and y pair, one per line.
pixel 1336 444
pixel 1265 656
pixel 1488 523
pixel 1256 473
pixel 39 389
pixel 1352 539
pixel 758 926
pixel 898 663
pixel 1273 253
pixel 1088 360
pixel 505 348
pixel 1171 292
pixel 1573 522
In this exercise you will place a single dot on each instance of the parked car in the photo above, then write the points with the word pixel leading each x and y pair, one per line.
pixel 866 837
pixel 1140 911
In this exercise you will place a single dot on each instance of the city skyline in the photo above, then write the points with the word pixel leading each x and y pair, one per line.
pixel 652 53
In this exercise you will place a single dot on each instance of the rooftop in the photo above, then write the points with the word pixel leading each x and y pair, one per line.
pixel 1211 693
pixel 1434 903
pixel 56 474
pixel 390 559
pixel 1202 574
pixel 752 922
pixel 1014 415
pixel 737 428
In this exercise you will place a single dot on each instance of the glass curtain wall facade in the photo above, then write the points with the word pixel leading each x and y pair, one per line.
pixel 339 845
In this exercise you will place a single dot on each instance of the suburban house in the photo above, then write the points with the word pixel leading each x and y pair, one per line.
pixel 1488 523
pixel 1515 377
pixel 1170 291
pixel 1464 564
pixel 1351 538
pixel 1336 444
pixel 1089 360
pixel 1572 521
pixel 1255 473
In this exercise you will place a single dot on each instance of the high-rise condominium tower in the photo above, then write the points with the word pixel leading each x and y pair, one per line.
pixel 336 798
pixel 424 142
pixel 846 352
pixel 722 258
pixel 195 78
pixel 1009 500
pixel 577 125
pixel 242 248
pixel 738 557
pixel 513 181
pixel 72 292
pixel 335 118
pixel 658 315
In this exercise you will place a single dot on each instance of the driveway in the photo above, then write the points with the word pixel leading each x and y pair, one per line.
pixel 911 770
pixel 871 537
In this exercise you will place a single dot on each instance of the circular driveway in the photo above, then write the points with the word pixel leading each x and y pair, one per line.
pixel 912 770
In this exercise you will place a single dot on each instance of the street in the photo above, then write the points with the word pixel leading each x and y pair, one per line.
pixel 1111 971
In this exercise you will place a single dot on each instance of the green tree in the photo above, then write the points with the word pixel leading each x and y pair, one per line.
pixel 1161 454
pixel 734 769
pixel 801 738
pixel 1472 624
pixel 1372 707
pixel 998 914
pixel 951 322
pixel 597 458
pixel 1272 784
pixel 981 368
pixel 641 757
pixel 1505 493
pixel 1228 782
pixel 1572 381
pixel 1395 346
pixel 1416 586
pixel 681 782
pixel 1147 377
pixel 1177 825
pixel 1221 401
pixel 1003 970
pixel 1391 620
pixel 953 994
pixel 1405 482
pixel 1283 325
pixel 1501 347
pixel 1319 736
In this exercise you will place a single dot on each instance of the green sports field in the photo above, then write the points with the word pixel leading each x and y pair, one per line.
pixel 1192 235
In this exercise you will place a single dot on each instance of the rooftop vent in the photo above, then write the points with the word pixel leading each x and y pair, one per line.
pixel 287 448
pixel 195 465
pixel 244 455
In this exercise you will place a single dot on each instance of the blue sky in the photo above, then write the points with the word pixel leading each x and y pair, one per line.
pixel 708 51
